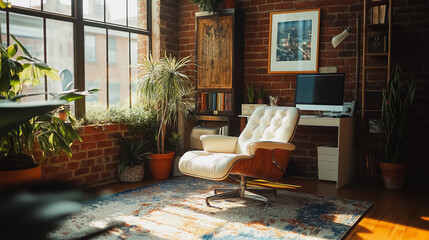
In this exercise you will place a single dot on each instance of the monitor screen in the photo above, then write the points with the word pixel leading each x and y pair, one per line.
pixel 320 92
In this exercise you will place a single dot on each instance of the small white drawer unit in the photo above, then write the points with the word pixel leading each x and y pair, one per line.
pixel 327 161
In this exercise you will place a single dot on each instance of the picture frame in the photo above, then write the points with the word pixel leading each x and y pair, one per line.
pixel 294 41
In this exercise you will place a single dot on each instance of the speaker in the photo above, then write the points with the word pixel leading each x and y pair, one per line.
pixel 377 43
pixel 348 109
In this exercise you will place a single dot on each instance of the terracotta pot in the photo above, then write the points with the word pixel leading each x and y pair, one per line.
pixel 393 174
pixel 160 165
pixel 62 115
pixel 260 101
pixel 229 4
pixel 11 177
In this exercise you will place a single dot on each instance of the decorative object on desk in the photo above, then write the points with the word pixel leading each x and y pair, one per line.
pixel 164 87
pixel 274 100
pixel 247 109
pixel 375 126
pixel 377 43
pixel 175 209
pixel 294 41
pixel 261 95
pixel 397 102
pixel 251 93
pixel 340 37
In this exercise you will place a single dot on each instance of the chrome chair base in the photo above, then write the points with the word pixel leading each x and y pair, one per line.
pixel 243 192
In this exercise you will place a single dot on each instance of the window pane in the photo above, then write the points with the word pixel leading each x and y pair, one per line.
pixel 119 82
pixel 60 54
pixel 95 72
pixel 90 48
pixel 3 37
pixel 112 48
pixel 59 6
pixel 137 13
pixel 29 31
pixel 116 12
pixel 139 49
pixel 26 3
pixel 93 9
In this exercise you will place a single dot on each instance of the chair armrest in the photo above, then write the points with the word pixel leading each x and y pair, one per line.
pixel 252 147
pixel 219 143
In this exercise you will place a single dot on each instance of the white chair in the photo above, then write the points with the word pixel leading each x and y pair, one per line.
pixel 261 151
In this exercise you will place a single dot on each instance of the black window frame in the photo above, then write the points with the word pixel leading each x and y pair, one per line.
pixel 79 24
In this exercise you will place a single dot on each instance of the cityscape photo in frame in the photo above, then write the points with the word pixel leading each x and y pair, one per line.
pixel 294 41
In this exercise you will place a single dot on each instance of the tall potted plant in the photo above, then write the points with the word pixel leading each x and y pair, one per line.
pixel 397 101
pixel 162 85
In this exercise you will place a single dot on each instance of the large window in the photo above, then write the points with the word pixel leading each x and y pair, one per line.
pixel 93 43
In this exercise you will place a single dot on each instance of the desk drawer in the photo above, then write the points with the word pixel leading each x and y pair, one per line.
pixel 329 175
pixel 328 165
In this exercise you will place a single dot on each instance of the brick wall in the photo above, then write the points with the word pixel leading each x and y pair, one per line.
pixel 335 16
pixel 410 49
pixel 164 28
pixel 94 161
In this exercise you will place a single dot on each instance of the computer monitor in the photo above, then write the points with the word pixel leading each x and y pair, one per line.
pixel 320 92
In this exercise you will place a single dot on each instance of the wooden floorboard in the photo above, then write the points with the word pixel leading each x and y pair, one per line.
pixel 399 214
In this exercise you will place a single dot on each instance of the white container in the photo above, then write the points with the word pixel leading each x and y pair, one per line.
pixel 247 109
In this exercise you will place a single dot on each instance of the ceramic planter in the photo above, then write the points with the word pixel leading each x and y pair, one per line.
pixel 393 174
pixel 160 165
pixel 20 176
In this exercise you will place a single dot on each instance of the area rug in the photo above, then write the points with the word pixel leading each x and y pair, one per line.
pixel 176 209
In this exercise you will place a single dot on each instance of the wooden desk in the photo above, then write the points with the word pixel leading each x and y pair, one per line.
pixel 335 163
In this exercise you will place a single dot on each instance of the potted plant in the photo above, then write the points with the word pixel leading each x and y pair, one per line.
pixel 26 124
pixel 131 167
pixel 397 101
pixel 208 5
pixel 261 95
pixel 247 109
pixel 163 86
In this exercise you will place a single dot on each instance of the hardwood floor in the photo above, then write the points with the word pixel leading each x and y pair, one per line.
pixel 402 214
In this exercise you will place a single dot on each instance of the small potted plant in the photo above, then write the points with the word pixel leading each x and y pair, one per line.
pixel 131 166
pixel 209 5
pixel 397 102
pixel 261 95
pixel 247 109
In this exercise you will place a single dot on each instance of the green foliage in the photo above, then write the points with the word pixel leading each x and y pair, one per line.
pixel 140 121
pixel 4 4
pixel 164 87
pixel 209 5
pixel 396 106
pixel 251 93
pixel 174 141
pixel 261 93
pixel 135 153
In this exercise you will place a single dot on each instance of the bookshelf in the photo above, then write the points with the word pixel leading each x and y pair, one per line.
pixel 377 28
pixel 219 75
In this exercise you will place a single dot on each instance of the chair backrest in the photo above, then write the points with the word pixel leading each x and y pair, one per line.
pixel 269 123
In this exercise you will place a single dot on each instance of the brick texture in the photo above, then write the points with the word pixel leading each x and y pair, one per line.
pixel 335 16
pixel 94 160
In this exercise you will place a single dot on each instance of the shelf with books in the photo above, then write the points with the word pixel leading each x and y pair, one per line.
pixel 219 76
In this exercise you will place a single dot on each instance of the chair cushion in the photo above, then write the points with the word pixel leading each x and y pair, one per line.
pixel 219 143
pixel 212 166
pixel 275 124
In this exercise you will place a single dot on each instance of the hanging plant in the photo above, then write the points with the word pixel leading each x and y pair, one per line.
pixel 209 5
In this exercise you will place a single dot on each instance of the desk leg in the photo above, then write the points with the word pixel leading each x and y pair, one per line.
pixel 243 122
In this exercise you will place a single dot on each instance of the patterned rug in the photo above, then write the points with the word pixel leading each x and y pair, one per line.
pixel 175 209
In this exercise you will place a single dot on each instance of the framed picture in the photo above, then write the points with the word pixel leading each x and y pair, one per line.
pixel 294 41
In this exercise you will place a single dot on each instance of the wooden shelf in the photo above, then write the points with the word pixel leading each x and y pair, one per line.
pixel 377 54
pixel 375 67
pixel 377 3
pixel 374 90
pixel 373 110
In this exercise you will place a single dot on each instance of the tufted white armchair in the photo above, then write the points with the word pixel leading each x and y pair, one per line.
pixel 261 151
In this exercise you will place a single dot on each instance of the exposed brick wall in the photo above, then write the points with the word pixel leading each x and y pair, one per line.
pixel 410 49
pixel 165 28
pixel 335 16
pixel 94 161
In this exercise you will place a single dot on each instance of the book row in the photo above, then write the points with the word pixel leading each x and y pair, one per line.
pixel 214 101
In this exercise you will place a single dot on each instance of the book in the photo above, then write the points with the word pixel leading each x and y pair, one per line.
pixel 199 101
pixel 210 101
pixel 382 14
pixel 228 102
pixel 375 15
pixel 214 102
pixel 222 101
